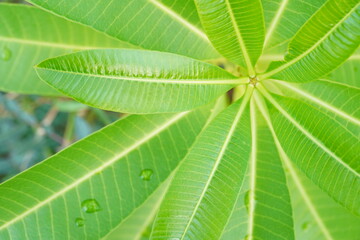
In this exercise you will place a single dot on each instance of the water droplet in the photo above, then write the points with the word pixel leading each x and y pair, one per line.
pixel 80 222
pixel 247 200
pixel 90 206
pixel 5 54
pixel 146 174
pixel 305 226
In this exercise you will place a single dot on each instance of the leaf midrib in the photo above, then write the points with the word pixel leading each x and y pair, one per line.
pixel 47 44
pixel 92 173
pixel 301 56
pixel 158 80
pixel 179 19
pixel 320 102
pixel 354 57
pixel 302 190
pixel 252 167
pixel 332 81
pixel 293 173
pixel 218 159
pixel 156 205
pixel 275 22
pixel 240 39
pixel 304 131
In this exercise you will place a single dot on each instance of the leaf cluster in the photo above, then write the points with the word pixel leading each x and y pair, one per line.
pixel 281 160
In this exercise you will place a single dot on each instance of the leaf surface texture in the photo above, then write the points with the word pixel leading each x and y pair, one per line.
pixel 136 81
pixel 235 27
pixel 107 167
pixel 199 207
pixel 23 45
pixel 150 24
pixel 323 43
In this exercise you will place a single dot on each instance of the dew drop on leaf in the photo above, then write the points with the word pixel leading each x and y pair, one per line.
pixel 5 54
pixel 90 206
pixel 80 222
pixel 146 174
pixel 305 226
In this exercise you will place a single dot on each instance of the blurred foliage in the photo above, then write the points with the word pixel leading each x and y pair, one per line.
pixel 32 128
pixel 13 1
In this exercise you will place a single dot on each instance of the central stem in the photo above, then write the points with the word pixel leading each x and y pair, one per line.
pixel 253 80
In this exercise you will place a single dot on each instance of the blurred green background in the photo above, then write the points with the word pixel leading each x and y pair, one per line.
pixel 14 1
pixel 33 128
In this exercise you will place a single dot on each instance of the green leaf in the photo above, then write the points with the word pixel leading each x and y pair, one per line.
pixel 22 45
pixel 136 81
pixel 348 73
pixel 199 206
pixel 170 26
pixel 133 226
pixel 305 134
pixel 235 27
pixel 323 43
pixel 338 101
pixel 283 18
pixel 316 216
pixel 263 210
pixel 101 179
pixel 236 173
pixel 313 210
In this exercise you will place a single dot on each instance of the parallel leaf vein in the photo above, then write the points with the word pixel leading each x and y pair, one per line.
pixel 320 102
pixel 219 158
pixel 275 21
pixel 240 39
pixel 93 172
pixel 179 18
pixel 308 51
pixel 293 174
pixel 305 132
pixel 159 80
pixel 46 44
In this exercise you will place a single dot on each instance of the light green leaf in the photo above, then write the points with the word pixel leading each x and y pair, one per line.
pixel 263 210
pixel 29 35
pixel 136 81
pixel 283 18
pixel 323 43
pixel 135 225
pixel 313 210
pixel 318 217
pixel 170 26
pixel 235 27
pixel 348 73
pixel 101 179
pixel 338 101
pixel 322 148
pixel 199 206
